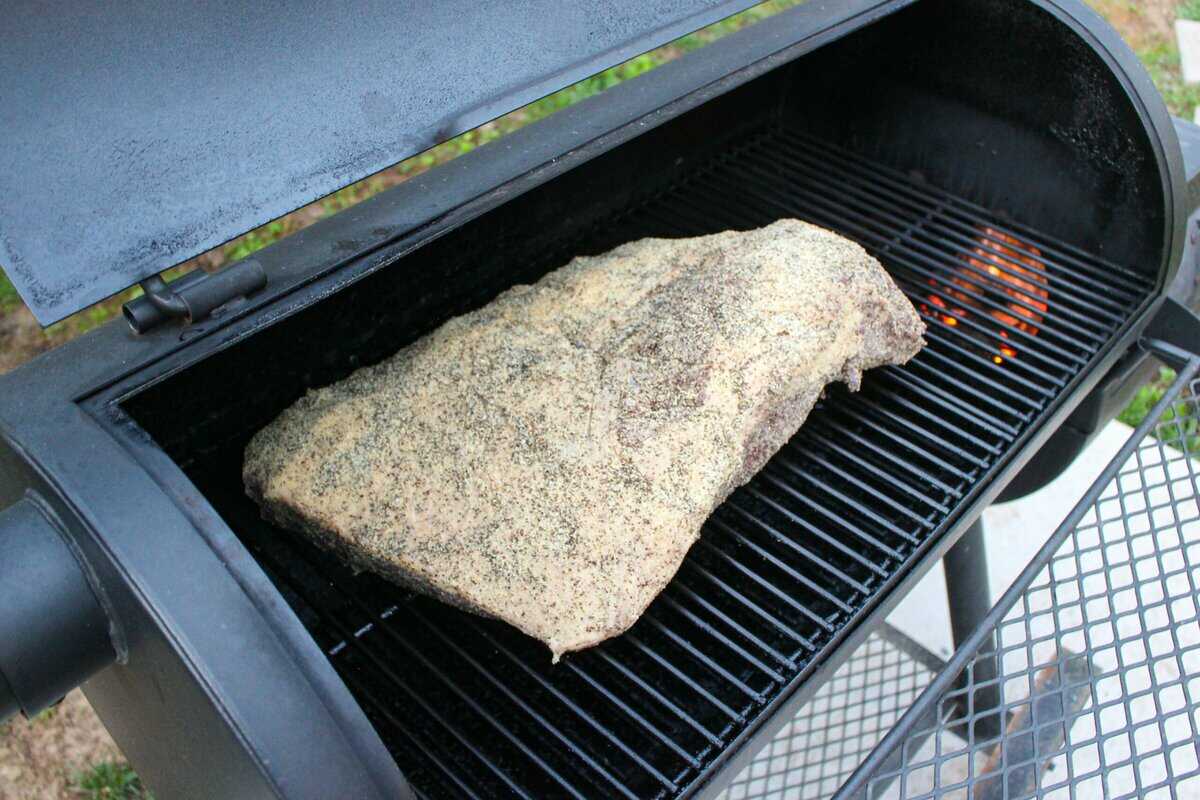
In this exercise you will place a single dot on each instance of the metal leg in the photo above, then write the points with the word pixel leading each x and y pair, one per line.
pixel 970 600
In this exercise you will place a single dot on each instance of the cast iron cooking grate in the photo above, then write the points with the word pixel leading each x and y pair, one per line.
pixel 786 567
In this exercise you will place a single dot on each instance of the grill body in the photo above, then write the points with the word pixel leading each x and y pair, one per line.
pixel 285 675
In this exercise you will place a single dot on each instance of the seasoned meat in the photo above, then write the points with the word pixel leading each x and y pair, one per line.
pixel 550 458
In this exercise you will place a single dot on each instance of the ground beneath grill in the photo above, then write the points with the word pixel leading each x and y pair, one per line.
pixel 41 758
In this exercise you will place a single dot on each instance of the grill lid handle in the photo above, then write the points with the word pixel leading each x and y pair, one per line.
pixel 54 633
pixel 192 297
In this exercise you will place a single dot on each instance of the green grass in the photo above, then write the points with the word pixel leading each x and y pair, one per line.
pixel 46 714
pixel 1189 9
pixel 1185 436
pixel 1162 62
pixel 110 781
pixel 9 299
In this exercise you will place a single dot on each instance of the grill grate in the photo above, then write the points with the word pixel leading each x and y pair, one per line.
pixel 471 708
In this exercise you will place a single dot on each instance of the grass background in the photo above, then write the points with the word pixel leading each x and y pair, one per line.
pixel 80 763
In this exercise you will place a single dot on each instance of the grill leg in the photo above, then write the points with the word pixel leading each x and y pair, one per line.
pixel 970 600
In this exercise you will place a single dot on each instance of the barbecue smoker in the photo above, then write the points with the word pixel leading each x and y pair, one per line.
pixel 1007 160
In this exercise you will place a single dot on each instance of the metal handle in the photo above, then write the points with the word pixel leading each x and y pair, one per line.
pixel 54 633
pixel 192 297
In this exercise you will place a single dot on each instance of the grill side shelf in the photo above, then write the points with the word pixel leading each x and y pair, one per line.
pixel 1097 644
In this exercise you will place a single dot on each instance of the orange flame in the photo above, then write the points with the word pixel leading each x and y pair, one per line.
pixel 1004 271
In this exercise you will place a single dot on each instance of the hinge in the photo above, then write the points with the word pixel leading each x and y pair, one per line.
pixel 193 296
pixel 1173 334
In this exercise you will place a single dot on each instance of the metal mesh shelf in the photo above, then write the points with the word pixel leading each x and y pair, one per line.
pixel 834 731
pixel 1097 645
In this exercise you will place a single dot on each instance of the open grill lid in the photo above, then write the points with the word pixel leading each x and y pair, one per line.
pixel 137 138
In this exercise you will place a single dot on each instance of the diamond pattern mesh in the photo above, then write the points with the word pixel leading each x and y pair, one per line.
pixel 831 734
pixel 1099 656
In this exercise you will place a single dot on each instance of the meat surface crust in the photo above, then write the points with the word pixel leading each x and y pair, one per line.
pixel 550 458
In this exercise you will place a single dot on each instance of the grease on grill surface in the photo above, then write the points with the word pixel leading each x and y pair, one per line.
pixel 550 458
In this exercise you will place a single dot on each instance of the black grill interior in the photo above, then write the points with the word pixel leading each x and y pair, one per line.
pixel 936 95
pixel 472 708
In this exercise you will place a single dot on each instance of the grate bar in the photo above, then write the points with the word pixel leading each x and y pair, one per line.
pixel 934 255
pixel 846 549
pixel 571 746
pixel 965 391
pixel 659 696
pixel 420 701
pixel 778 537
pixel 1097 277
pixel 973 276
pixel 712 665
pixel 770 476
pixel 886 455
pixel 415 697
pixel 587 718
pixel 482 713
pixel 954 405
pixel 1084 264
pixel 861 416
pixel 774 561
pixel 950 364
pixel 381 663
pixel 815 437
pixel 693 760
pixel 679 587
pixel 362 690
pixel 383 666
pixel 951 235
pixel 899 234
pixel 752 607
pixel 839 497
pixel 913 408
pixel 825 486
pixel 965 322
pixel 941 334
pixel 699 690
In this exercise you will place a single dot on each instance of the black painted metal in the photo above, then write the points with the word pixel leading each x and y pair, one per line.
pixel 969 596
pixel 784 567
pixel 1098 642
pixel 193 296
pixel 53 639
pixel 139 137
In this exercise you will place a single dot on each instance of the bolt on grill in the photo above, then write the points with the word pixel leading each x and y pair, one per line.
pixel 471 708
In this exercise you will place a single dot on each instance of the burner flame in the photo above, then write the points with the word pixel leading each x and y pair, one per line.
pixel 1003 271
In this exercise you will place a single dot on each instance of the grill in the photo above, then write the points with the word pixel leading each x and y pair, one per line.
pixel 784 568
pixel 1093 649
pixel 1031 203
